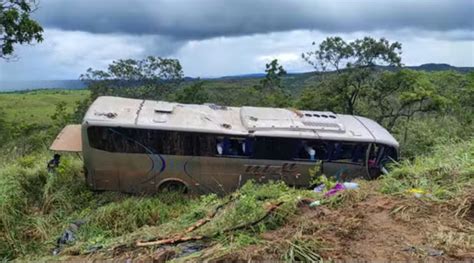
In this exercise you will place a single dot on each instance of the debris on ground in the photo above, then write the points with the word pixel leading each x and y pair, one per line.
pixel 367 230
pixel 68 236
pixel 337 188
pixel 180 238
pixel 350 185
pixel 419 193
pixel 423 250
pixel 320 188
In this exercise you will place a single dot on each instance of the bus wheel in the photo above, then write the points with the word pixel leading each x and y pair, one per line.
pixel 173 186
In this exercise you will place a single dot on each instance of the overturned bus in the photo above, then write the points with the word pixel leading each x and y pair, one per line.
pixel 143 146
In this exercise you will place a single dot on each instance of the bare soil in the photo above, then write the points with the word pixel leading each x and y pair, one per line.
pixel 376 228
pixel 379 228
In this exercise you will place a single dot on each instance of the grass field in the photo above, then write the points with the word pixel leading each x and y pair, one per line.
pixel 423 210
pixel 37 106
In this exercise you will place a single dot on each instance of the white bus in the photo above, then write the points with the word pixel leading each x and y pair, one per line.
pixel 143 146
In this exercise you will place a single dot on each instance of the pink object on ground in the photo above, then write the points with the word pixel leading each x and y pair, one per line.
pixel 338 187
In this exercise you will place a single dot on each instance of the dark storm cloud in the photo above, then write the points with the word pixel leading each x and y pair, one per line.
pixel 190 19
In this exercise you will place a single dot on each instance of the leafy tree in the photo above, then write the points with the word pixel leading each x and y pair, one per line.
pixel 16 26
pixel 352 66
pixel 271 87
pixel 193 94
pixel 402 94
pixel 458 89
pixel 274 73
pixel 149 78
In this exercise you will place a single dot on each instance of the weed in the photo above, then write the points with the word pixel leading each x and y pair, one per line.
pixel 303 250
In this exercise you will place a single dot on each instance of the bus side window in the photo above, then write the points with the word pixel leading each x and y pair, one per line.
pixel 347 152
pixel 275 148
pixel 247 146
pixel 358 153
pixel 204 145
pixel 231 146
pixel 306 150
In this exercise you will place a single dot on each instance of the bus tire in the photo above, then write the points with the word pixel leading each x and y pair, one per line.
pixel 173 186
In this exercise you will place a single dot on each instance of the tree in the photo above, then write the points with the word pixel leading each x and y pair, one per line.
pixel 274 73
pixel 193 94
pixel 16 26
pixel 402 94
pixel 271 87
pixel 458 89
pixel 350 68
pixel 149 78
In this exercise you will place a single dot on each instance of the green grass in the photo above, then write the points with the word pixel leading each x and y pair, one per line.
pixel 443 174
pixel 36 207
pixel 37 106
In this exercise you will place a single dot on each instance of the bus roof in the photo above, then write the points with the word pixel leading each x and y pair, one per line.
pixel 254 121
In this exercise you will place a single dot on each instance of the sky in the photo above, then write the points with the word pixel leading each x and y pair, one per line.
pixel 213 38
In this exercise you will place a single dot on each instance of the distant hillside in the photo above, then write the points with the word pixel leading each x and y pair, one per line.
pixel 441 67
pixel 40 84
pixel 423 67
pixel 292 80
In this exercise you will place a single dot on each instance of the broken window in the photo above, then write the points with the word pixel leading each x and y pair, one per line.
pixel 130 140
pixel 233 146
pixel 347 151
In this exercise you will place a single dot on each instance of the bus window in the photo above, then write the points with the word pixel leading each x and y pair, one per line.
pixel 346 152
pixel 379 157
pixel 232 146
pixel 114 140
pixel 358 153
pixel 274 148
pixel 312 150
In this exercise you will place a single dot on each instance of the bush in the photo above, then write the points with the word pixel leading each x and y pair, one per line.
pixel 423 134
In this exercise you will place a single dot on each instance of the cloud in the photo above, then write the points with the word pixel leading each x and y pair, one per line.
pixel 197 20
pixel 223 56
pixel 215 38
pixel 67 54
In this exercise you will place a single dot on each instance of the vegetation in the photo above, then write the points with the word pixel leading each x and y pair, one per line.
pixel 16 25
pixel 430 113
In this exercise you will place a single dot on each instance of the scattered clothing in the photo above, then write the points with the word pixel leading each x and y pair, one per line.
pixel 68 236
pixel 338 187
pixel 320 188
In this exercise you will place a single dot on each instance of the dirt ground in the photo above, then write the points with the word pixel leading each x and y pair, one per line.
pixel 379 228
pixel 375 228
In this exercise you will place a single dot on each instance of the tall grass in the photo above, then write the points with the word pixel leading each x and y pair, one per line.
pixel 444 173
pixel 36 207
pixel 33 202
